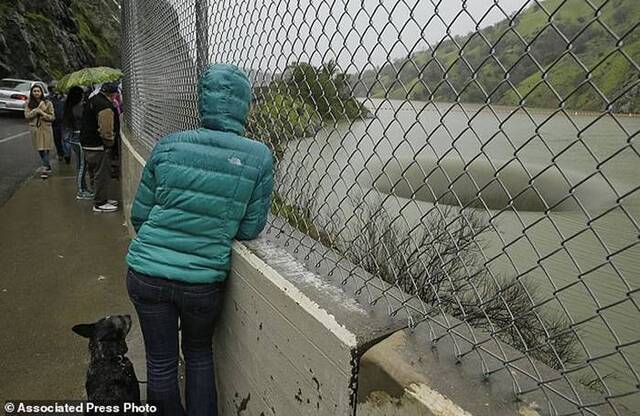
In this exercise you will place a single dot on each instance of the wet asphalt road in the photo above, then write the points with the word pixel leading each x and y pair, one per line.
pixel 60 264
pixel 18 160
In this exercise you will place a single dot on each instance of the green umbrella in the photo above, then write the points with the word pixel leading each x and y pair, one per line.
pixel 88 76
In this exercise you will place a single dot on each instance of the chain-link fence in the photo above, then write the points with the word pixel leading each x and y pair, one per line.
pixel 477 162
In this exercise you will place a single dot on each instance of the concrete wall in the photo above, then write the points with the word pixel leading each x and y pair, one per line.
pixel 280 350
pixel 132 162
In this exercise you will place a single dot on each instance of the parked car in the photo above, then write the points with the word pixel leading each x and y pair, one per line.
pixel 14 93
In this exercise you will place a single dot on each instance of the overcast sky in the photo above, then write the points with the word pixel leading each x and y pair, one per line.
pixel 269 34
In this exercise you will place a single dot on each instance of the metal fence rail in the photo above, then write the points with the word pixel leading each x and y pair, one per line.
pixel 477 161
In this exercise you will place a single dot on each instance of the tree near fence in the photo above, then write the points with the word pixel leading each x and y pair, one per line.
pixel 300 102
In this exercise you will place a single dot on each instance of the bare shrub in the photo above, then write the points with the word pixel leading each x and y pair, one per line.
pixel 442 264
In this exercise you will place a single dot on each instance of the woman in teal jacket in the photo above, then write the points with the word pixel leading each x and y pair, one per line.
pixel 200 190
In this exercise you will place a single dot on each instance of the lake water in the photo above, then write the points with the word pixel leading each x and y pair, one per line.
pixel 583 256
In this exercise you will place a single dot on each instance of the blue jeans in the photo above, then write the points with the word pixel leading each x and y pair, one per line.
pixel 44 158
pixel 72 141
pixel 159 304
pixel 66 144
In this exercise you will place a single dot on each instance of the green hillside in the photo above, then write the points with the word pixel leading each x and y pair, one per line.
pixel 580 64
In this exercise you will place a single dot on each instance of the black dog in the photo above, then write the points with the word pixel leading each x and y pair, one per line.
pixel 111 378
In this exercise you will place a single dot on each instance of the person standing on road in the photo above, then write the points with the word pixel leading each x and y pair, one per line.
pixel 116 99
pixel 97 137
pixel 72 121
pixel 57 100
pixel 200 190
pixel 40 114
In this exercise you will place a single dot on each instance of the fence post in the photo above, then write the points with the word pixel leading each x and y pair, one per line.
pixel 202 35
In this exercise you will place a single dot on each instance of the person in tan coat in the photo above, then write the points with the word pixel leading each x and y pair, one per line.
pixel 40 114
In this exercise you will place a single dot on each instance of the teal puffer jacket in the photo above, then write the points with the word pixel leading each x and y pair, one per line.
pixel 202 188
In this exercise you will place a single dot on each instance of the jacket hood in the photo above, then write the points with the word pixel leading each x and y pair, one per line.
pixel 224 97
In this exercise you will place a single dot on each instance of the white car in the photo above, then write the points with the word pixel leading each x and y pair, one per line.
pixel 14 93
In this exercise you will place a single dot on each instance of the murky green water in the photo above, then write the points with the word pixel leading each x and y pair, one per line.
pixel 583 255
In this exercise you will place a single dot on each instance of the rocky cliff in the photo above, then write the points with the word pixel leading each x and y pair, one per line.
pixel 47 39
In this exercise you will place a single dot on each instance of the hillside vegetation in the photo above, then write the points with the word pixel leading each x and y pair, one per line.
pixel 565 42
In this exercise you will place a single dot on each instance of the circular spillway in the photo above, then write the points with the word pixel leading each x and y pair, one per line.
pixel 481 185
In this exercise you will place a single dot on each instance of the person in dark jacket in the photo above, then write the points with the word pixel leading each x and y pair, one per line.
pixel 57 100
pixel 97 136
pixel 72 122
pixel 116 99
pixel 200 190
